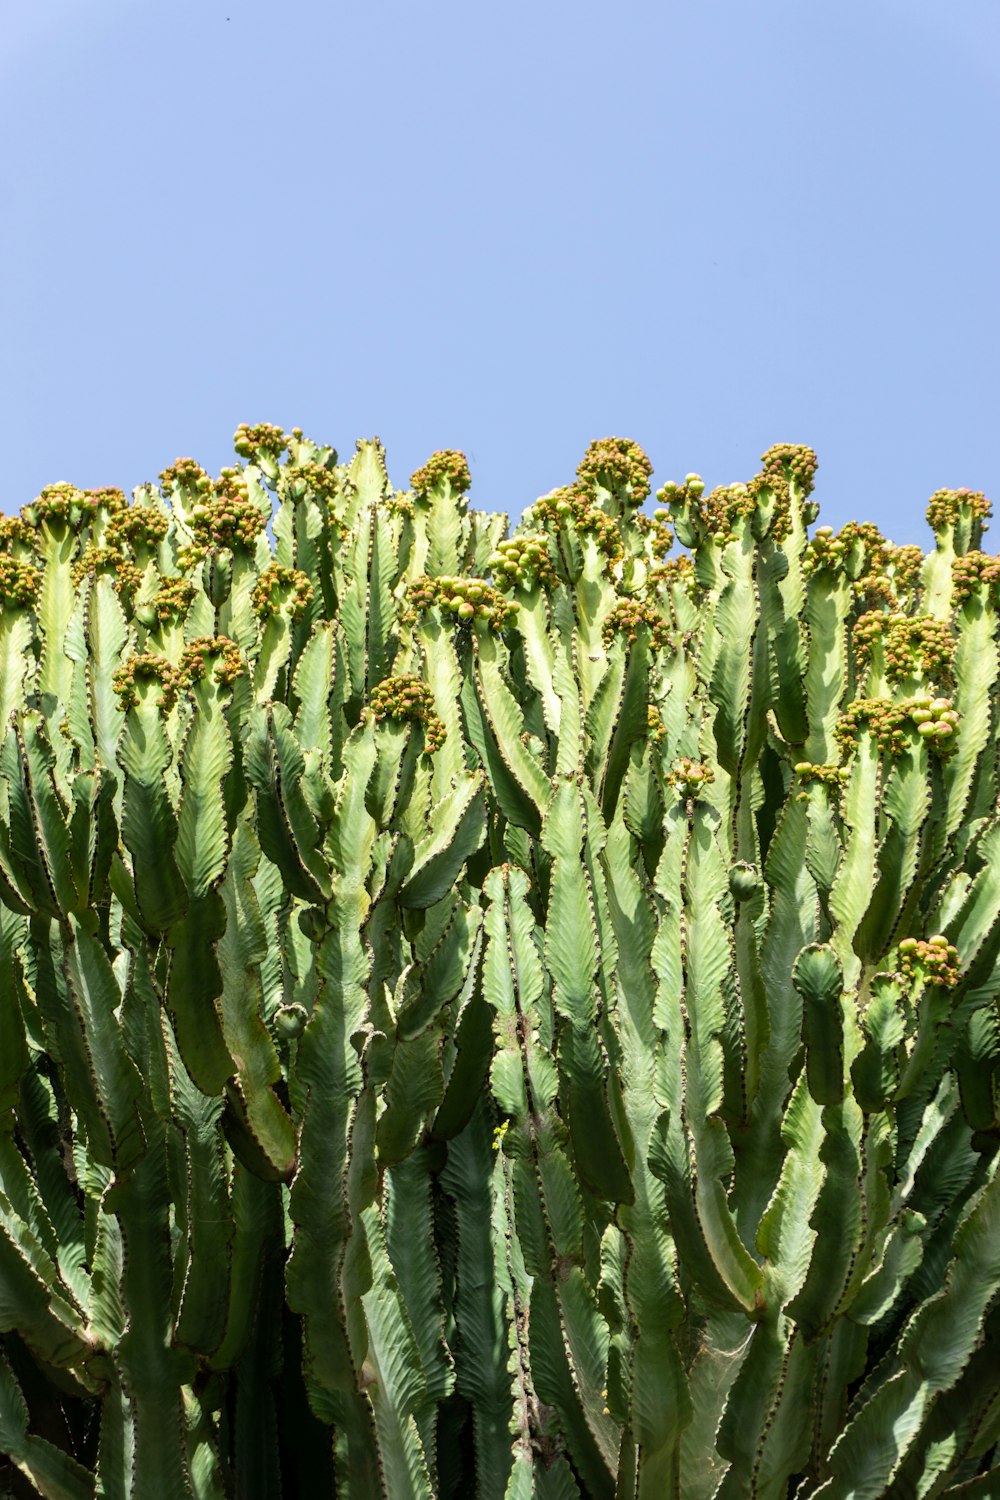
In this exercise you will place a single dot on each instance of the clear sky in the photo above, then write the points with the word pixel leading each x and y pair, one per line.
pixel 708 225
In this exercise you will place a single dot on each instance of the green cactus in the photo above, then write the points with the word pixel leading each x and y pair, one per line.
pixel 496 1015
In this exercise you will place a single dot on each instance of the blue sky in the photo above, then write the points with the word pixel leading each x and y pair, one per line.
pixel 708 226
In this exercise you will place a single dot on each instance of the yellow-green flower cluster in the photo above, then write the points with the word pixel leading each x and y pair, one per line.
pixel 15 532
pixel 279 586
pixel 187 477
pixel 656 730
pixel 125 576
pixel 946 507
pixel 567 507
pixel 975 571
pixel 139 526
pixel 229 518
pixel 19 583
pixel 934 720
pixel 628 617
pixel 912 644
pixel 690 777
pixel 523 562
pixel 906 564
pixel 147 667
pixel 792 462
pixel 264 439
pixel 617 465
pixel 934 961
pixel 409 697
pixel 199 653
pixel 467 599
pixel 60 502
pixel 172 599
pixel 824 775
pixel 859 549
pixel 674 570
pixel 447 465
pixel 656 530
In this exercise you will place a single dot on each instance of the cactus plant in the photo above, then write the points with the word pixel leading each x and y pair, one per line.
pixel 503 1015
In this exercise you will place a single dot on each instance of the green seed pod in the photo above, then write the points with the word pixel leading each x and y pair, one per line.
pixel 744 881
pixel 290 1021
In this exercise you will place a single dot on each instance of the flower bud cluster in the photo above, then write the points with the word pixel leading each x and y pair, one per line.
pixel 138 526
pixel 657 531
pixel 446 464
pixel 16 532
pixel 19 583
pixel 108 498
pixel 198 653
pixel 975 571
pixel 229 519
pixel 278 586
pixel 824 775
pixel 617 465
pixel 125 576
pixel 173 598
pixel 935 961
pixel 263 439
pixel 409 697
pixel 859 550
pixel 147 667
pixel 906 564
pixel 523 562
pixel 628 617
pixel 946 507
pixel 187 477
pixel 656 730
pixel 675 570
pixel 792 462
pixel 60 502
pixel 673 493
pixel 468 599
pixel 934 720
pixel 724 508
pixel 568 507
pixel 913 644
pixel 690 777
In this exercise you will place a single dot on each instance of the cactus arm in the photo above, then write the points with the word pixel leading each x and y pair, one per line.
pixel 415 1262
pixel 969 774
pixel 827 605
pixel 202 1270
pixel 56 603
pixel 439 857
pixel 617 719
pixel 149 824
pixel 53 1473
pixel 287 828
pixel 539 653
pixel 480 1341
pixel 501 712
pixel 13 1045
pixel 735 623
pixel 934 1348
pixel 107 634
pixel 38 842
pixel 239 953
pixel 16 659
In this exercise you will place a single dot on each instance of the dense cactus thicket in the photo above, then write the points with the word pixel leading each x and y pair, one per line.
pixel 492 1015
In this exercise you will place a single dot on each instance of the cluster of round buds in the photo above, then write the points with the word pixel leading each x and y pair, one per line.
pixel 821 775
pixel 140 526
pixel 409 697
pixel 673 493
pixel 187 477
pixel 934 961
pixel 905 565
pixel 147 667
pixel 723 508
pixel 656 730
pixel 523 562
pixel 399 504
pixel 792 462
pixel 59 503
pixel 279 586
pixel 15 532
pixel 690 777
pixel 125 576
pixel 19 583
pixel 617 465
pixel 918 644
pixel 315 479
pixel 946 507
pixel 568 507
pixel 230 519
pixel 173 598
pixel 108 498
pixel 936 721
pixel 972 572
pixel 263 439
pixel 675 570
pixel 628 617
pixel 446 466
pixel 468 599
pixel 656 530
pixel 199 653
